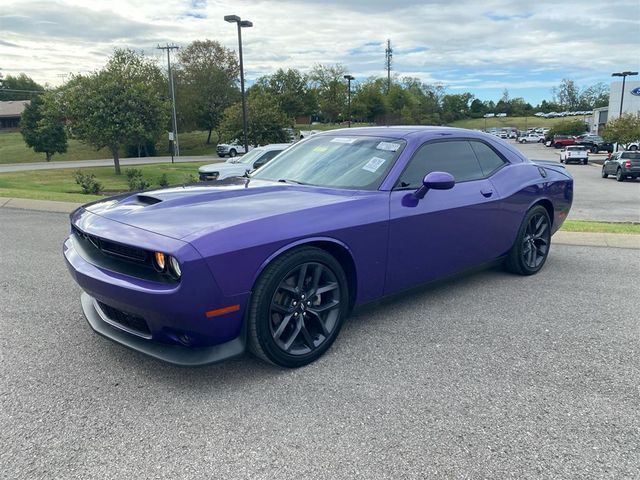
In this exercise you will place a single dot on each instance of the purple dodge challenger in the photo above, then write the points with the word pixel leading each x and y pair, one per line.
pixel 275 261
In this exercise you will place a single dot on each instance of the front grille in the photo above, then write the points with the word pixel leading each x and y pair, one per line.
pixel 126 320
pixel 108 247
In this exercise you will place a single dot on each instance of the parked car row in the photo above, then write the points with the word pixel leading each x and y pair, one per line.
pixel 236 167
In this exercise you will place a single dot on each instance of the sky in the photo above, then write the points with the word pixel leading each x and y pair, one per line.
pixel 482 47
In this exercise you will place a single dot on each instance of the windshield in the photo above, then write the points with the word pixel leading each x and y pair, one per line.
pixel 339 161
pixel 249 157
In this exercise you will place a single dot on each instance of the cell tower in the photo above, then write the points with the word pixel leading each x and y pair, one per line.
pixel 388 57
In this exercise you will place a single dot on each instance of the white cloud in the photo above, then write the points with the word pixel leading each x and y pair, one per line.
pixel 489 44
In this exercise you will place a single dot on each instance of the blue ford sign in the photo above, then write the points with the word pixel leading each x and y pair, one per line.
pixel 636 92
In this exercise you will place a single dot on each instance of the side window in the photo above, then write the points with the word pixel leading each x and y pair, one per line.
pixel 456 158
pixel 489 160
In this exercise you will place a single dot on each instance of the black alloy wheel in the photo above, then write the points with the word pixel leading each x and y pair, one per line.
pixel 529 253
pixel 619 176
pixel 297 308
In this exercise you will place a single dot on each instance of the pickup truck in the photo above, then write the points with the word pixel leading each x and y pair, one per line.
pixel 231 149
pixel 574 153
pixel 594 143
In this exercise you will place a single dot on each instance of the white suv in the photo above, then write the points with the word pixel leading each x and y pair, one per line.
pixel 236 167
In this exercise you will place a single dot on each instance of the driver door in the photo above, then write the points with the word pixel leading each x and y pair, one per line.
pixel 448 230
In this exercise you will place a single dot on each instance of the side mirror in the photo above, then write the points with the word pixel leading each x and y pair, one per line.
pixel 435 181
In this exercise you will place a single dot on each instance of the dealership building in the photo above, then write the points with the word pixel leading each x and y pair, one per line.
pixel 630 103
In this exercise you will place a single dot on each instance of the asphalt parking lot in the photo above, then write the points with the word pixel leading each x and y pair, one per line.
pixel 489 375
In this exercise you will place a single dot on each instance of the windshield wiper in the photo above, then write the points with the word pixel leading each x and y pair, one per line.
pixel 286 180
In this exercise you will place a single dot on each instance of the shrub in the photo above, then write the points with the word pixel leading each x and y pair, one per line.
pixel 88 183
pixel 136 180
pixel 163 181
pixel 191 178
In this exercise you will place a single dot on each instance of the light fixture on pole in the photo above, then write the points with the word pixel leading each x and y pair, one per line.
pixel 349 78
pixel 241 24
pixel 624 76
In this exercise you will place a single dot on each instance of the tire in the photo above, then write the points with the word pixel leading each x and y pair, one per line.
pixel 619 176
pixel 585 161
pixel 524 140
pixel 531 248
pixel 221 155
pixel 594 149
pixel 562 160
pixel 232 153
pixel 633 148
pixel 288 324
pixel 604 173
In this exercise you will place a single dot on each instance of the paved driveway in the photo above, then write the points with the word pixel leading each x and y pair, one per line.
pixel 486 376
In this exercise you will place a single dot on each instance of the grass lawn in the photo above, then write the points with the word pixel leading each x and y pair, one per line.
pixel 599 227
pixel 14 150
pixel 60 184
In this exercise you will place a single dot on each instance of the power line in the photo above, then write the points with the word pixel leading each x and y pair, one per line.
pixel 174 141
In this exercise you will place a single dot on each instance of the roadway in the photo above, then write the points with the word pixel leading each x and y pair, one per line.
pixel 489 375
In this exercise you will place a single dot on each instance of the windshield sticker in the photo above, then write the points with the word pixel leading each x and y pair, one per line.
pixel 374 164
pixel 320 149
pixel 388 146
pixel 343 140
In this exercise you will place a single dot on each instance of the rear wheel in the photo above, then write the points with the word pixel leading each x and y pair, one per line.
pixel 619 175
pixel 297 308
pixel 604 172
pixel 530 251
pixel 594 149
pixel 633 147
pixel 585 161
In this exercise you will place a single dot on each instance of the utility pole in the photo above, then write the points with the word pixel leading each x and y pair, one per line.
pixel 388 57
pixel 173 137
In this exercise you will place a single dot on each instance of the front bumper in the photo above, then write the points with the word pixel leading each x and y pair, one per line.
pixel 170 320
pixel 175 354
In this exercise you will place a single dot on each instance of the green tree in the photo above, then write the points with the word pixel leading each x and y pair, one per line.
pixel 455 107
pixel 623 130
pixel 331 90
pixel 207 73
pixel 42 127
pixel 368 100
pixel 567 95
pixel 595 96
pixel 292 92
pixel 20 87
pixel 265 122
pixel 121 104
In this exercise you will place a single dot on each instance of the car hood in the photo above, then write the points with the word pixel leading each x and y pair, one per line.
pixel 179 212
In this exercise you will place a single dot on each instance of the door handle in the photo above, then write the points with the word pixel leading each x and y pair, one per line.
pixel 486 192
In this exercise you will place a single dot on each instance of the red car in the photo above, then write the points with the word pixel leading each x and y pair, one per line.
pixel 560 141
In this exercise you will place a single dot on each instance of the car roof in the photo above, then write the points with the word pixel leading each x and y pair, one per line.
pixel 275 146
pixel 403 131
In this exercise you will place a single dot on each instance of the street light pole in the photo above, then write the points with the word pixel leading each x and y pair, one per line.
pixel 241 23
pixel 349 78
pixel 624 76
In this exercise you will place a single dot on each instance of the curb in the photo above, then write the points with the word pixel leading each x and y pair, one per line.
pixel 585 239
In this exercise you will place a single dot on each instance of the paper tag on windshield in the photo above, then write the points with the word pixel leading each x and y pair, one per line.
pixel 374 164
pixel 319 149
pixel 388 146
pixel 343 140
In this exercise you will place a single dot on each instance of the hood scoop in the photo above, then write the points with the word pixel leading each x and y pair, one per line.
pixel 142 199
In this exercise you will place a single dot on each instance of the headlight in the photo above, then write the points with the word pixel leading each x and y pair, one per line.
pixel 174 267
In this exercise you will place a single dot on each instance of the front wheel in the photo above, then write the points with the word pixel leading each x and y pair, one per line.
pixel 297 308
pixel 594 149
pixel 530 251
pixel 633 148
pixel 232 153
pixel 604 173
pixel 585 161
